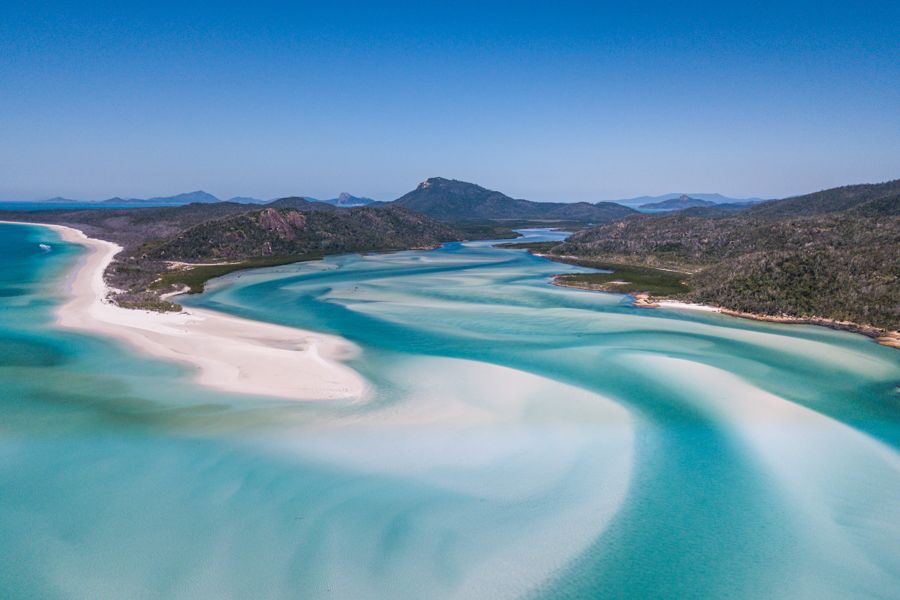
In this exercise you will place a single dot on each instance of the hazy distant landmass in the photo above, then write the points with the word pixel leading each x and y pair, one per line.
pixel 346 200
pixel 715 198
pixel 684 202
pixel 60 200
pixel 178 199
pixel 681 202
pixel 456 200
pixel 186 198
pixel 246 200
pixel 343 200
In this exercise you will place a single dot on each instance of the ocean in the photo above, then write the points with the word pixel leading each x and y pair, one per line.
pixel 519 440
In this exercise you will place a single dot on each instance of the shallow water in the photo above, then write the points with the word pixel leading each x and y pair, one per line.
pixel 519 440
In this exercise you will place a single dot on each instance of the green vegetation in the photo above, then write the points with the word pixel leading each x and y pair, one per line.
pixel 834 254
pixel 620 278
pixel 534 247
pixel 292 232
pixel 484 230
pixel 830 255
pixel 235 236
pixel 151 304
pixel 195 278
pixel 626 279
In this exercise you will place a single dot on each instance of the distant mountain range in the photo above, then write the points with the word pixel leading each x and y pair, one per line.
pixel 639 201
pixel 177 200
pixel 453 200
pixel 187 198
pixel 344 200
pixel 685 202
pixel 450 200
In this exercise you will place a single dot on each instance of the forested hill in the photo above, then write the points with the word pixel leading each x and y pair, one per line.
pixel 873 199
pixel 451 201
pixel 833 254
pixel 284 232
pixel 133 226
pixel 157 241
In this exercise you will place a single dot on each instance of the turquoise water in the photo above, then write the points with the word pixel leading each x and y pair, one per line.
pixel 519 440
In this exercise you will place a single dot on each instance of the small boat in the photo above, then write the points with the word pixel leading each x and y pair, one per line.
pixel 45 247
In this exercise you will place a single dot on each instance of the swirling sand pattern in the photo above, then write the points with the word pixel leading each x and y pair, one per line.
pixel 520 440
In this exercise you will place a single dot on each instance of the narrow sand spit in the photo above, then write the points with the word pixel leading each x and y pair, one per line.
pixel 686 306
pixel 229 353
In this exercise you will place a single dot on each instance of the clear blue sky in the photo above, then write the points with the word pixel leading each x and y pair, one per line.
pixel 548 101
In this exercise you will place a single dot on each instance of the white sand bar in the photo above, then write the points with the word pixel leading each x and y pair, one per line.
pixel 229 353
pixel 686 306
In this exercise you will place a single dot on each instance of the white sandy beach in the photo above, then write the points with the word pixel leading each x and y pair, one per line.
pixel 686 306
pixel 229 353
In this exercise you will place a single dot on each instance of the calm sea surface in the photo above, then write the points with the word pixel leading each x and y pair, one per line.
pixel 519 441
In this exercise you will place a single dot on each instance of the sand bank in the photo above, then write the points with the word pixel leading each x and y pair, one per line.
pixel 686 306
pixel 643 300
pixel 228 353
pixel 885 338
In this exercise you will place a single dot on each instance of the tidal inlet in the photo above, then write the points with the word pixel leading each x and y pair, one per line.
pixel 449 300
pixel 436 423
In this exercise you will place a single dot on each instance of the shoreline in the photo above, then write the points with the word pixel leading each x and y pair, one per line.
pixel 226 353
pixel 883 337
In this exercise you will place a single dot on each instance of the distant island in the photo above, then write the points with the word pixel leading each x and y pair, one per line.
pixel 715 198
pixel 681 202
pixel 348 200
pixel 202 197
pixel 187 198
